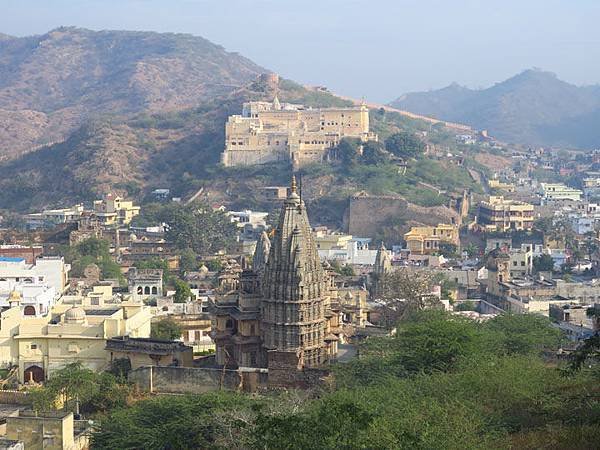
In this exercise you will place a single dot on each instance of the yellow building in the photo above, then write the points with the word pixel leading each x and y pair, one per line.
pixel 41 345
pixel 113 210
pixel 50 431
pixel 500 214
pixel 267 132
pixel 332 241
pixel 497 184
pixel 427 240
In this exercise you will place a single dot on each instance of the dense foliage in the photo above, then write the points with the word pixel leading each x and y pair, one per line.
pixel 166 329
pixel 95 392
pixel 92 251
pixel 442 382
pixel 405 145
pixel 197 227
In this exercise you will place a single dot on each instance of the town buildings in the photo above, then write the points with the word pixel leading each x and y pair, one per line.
pixel 556 192
pixel 38 285
pixel 530 294
pixel 344 248
pixel 145 283
pixel 50 218
pixel 38 345
pixel 27 252
pixel 427 240
pixel 267 132
pixel 500 214
pixel 113 210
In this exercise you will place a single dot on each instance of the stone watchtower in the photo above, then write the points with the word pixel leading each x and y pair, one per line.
pixel 294 293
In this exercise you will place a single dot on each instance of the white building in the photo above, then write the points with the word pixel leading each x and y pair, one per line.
pixel 552 192
pixel 34 299
pixel 49 270
pixel 51 217
pixel 250 223
pixel 346 249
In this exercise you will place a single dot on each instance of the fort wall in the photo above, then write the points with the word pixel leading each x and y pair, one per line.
pixel 368 215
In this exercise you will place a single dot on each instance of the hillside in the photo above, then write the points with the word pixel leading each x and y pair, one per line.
pixel 51 84
pixel 175 142
pixel 533 107
pixel 179 149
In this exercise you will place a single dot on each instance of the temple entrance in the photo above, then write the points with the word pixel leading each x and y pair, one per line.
pixel 33 373
pixel 29 311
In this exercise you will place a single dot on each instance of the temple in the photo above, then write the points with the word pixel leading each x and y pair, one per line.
pixel 279 313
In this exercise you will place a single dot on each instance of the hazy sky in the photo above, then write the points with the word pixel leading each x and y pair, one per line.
pixel 373 48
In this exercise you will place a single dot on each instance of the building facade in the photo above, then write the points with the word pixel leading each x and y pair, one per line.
pixel 268 132
pixel 500 214
pixel 427 240
pixel 556 192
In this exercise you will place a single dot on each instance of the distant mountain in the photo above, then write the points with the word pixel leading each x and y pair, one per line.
pixel 51 84
pixel 533 107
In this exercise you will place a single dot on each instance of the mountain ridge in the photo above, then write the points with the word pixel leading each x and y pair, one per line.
pixel 533 107
pixel 50 84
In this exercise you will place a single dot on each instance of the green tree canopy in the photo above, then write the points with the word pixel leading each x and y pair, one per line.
pixel 166 329
pixel 182 291
pixel 405 145
pixel 374 153
pixel 543 263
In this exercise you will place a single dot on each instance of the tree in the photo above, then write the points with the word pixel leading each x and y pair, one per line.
pixel 522 334
pixel 199 229
pixel 97 248
pixel 187 261
pixel 543 263
pixel 347 152
pixel 211 420
pixel 374 153
pixel 448 250
pixel 79 388
pixel 471 249
pixel 405 145
pixel 183 292
pixel 406 290
pixel 166 329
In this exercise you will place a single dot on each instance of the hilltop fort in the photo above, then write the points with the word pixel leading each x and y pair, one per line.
pixel 273 131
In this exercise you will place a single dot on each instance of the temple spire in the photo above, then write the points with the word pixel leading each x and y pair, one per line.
pixel 294 188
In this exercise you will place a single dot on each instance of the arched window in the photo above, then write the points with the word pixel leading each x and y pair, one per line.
pixel 154 290
pixel 140 290
pixel 29 311
pixel 147 290
pixel 34 374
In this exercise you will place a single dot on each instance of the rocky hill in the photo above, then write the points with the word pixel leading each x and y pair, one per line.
pixel 136 134
pixel 51 84
pixel 533 107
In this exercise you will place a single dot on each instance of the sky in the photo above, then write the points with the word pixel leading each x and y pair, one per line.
pixel 377 49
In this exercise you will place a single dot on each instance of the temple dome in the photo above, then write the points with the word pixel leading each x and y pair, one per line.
pixel 14 296
pixel 75 315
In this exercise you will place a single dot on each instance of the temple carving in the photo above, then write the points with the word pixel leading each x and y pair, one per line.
pixel 283 311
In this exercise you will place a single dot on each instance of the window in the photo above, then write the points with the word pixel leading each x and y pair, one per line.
pixel 147 290
pixel 154 290
pixel 33 346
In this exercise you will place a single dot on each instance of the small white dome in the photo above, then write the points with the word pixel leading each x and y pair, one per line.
pixel 75 315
